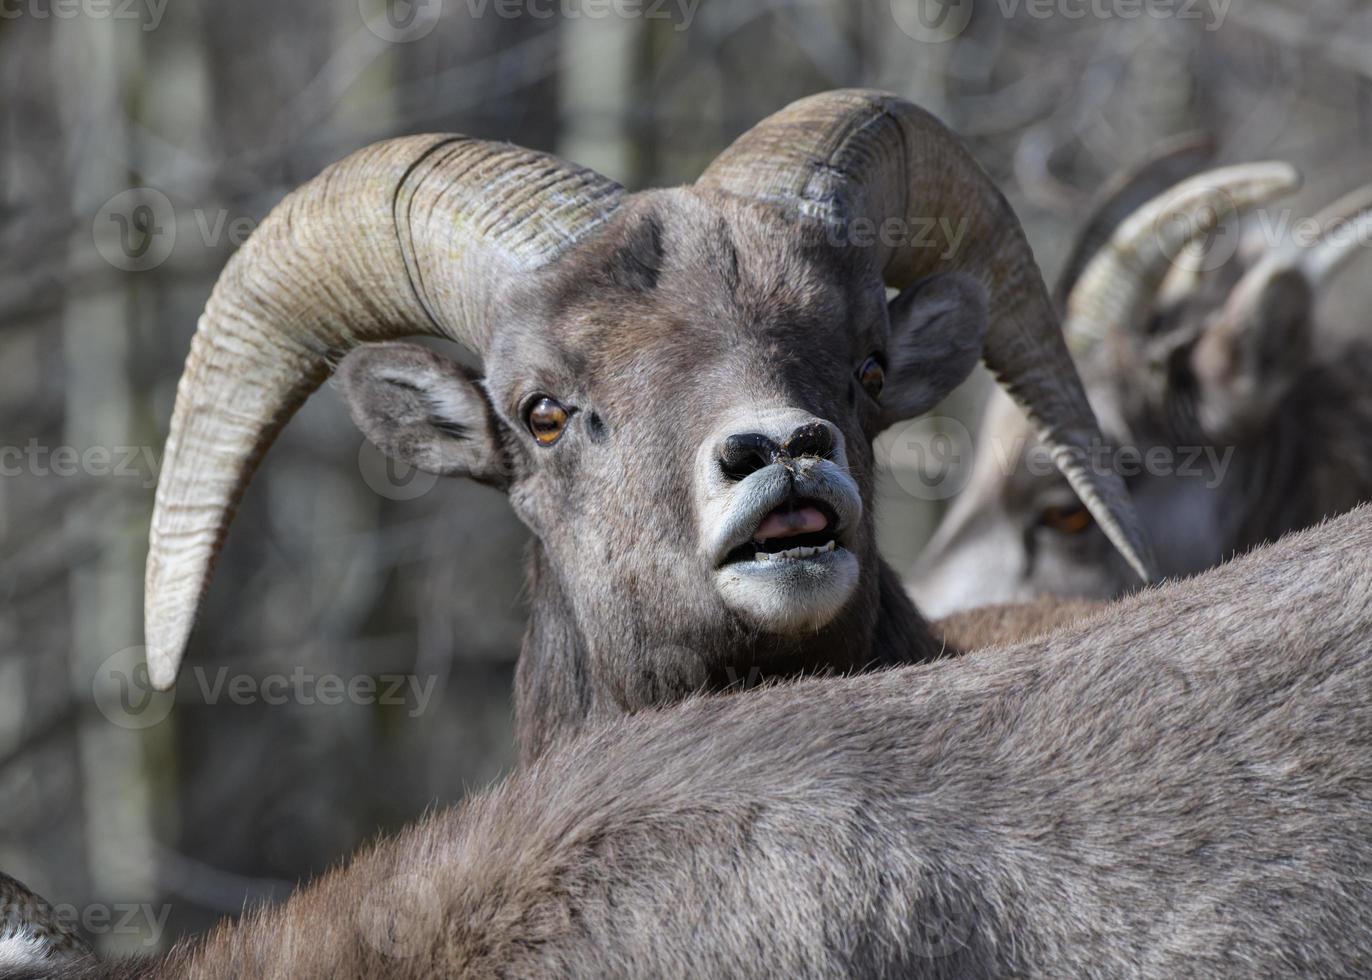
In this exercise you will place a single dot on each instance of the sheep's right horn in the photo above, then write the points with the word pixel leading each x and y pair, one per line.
pixel 1123 194
pixel 408 236
pixel 1117 287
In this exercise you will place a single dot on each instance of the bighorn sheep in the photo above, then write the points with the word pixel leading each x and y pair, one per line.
pixel 680 390
pixel 1232 424
pixel 1180 789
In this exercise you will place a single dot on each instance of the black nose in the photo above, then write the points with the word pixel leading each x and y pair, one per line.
pixel 811 439
pixel 747 452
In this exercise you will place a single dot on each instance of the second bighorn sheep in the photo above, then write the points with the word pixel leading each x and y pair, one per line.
pixel 680 391
pixel 1243 420
pixel 1179 790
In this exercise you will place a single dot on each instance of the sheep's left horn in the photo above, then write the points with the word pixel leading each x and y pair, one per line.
pixel 408 236
pixel 883 173
pixel 1345 226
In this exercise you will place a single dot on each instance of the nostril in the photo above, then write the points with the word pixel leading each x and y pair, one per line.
pixel 811 439
pixel 746 452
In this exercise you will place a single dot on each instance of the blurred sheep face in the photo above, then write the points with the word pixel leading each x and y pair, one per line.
pixel 1227 427
pixel 1192 450
pixel 682 413
pixel 1017 531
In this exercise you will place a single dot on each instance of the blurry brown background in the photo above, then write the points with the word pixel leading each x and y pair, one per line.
pixel 140 140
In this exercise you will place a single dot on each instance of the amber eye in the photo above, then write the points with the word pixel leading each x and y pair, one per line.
pixel 1066 520
pixel 872 376
pixel 546 420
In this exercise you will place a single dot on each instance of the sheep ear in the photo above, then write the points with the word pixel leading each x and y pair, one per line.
pixel 424 409
pixel 938 326
pixel 1251 352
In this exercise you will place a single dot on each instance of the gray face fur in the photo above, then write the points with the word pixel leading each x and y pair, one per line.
pixel 1228 421
pixel 693 319
pixel 1175 788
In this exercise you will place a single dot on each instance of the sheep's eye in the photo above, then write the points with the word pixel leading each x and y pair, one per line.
pixel 546 419
pixel 1066 520
pixel 872 376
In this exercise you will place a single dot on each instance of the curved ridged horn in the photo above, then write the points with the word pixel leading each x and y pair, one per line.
pixel 868 157
pixel 1346 224
pixel 1343 226
pixel 408 236
pixel 1117 287
pixel 1126 192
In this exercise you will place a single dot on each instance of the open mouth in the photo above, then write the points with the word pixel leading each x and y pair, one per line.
pixel 782 545
pixel 795 531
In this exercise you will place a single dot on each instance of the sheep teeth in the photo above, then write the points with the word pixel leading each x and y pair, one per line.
pixel 793 553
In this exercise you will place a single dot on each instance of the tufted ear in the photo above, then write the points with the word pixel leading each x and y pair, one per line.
pixel 424 409
pixel 938 326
